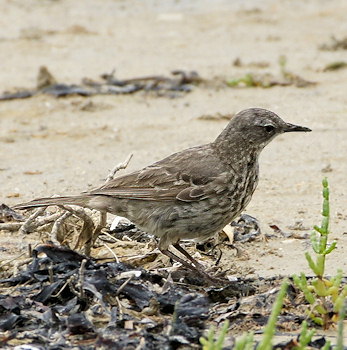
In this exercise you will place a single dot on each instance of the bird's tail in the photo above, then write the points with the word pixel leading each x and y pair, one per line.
pixel 81 200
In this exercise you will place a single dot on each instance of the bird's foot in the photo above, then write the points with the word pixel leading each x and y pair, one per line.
pixel 194 266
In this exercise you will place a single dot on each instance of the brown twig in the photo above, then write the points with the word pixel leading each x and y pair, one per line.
pixel 102 223
pixel 56 234
pixel 112 252
pixel 44 220
pixel 118 167
pixel 68 281
pixel 28 224
pixel 86 236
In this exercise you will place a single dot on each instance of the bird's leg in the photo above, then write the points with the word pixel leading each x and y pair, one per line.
pixel 192 264
pixel 197 268
pixel 178 259
pixel 187 255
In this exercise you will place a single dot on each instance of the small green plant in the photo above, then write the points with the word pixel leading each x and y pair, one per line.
pixel 282 62
pixel 326 296
pixel 342 315
pixel 246 342
pixel 247 80
pixel 209 343
pixel 305 336
pixel 266 342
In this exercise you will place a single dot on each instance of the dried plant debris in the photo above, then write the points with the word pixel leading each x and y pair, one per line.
pixel 179 83
pixel 7 214
pixel 127 230
pixel 256 64
pixel 87 231
pixel 66 299
pixel 257 80
pixel 216 117
pixel 267 80
pixel 335 66
pixel 335 44
pixel 246 228
pixel 63 299
pixel 298 226
pixel 44 78
pixel 319 343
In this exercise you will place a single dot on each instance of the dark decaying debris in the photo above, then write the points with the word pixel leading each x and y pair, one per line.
pixel 173 86
pixel 64 300
pixel 189 315
pixel 177 84
pixel 7 214
pixel 297 226
pixel 130 230
pixel 246 228
pixel 294 344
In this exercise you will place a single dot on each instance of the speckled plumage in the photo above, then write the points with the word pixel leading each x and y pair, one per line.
pixel 194 193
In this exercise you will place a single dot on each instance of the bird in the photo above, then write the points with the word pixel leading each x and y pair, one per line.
pixel 191 194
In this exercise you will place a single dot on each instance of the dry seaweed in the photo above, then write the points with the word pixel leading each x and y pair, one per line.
pixel 179 83
pixel 63 299
pixel 7 214
pixel 66 299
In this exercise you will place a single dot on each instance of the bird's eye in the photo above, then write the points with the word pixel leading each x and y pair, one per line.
pixel 269 128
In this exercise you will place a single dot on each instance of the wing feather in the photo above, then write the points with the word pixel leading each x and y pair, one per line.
pixel 169 179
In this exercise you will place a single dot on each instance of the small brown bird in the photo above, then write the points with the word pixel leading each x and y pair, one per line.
pixel 191 194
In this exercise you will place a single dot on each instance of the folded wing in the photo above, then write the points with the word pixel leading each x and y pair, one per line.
pixel 168 180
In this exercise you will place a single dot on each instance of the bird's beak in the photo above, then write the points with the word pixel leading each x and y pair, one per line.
pixel 291 127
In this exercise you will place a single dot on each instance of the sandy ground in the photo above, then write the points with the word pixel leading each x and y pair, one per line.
pixel 68 149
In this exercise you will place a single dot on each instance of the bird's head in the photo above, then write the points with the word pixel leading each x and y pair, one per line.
pixel 257 127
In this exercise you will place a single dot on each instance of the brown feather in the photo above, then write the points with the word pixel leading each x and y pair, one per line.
pixel 167 180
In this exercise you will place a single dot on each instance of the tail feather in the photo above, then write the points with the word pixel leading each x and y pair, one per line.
pixel 43 202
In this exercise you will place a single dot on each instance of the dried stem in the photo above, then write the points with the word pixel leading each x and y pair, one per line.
pixel 28 224
pixel 118 167
pixel 56 233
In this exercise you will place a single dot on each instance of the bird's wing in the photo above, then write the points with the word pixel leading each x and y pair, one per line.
pixel 189 179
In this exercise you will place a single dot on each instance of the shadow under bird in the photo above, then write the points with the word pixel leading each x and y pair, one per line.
pixel 190 194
